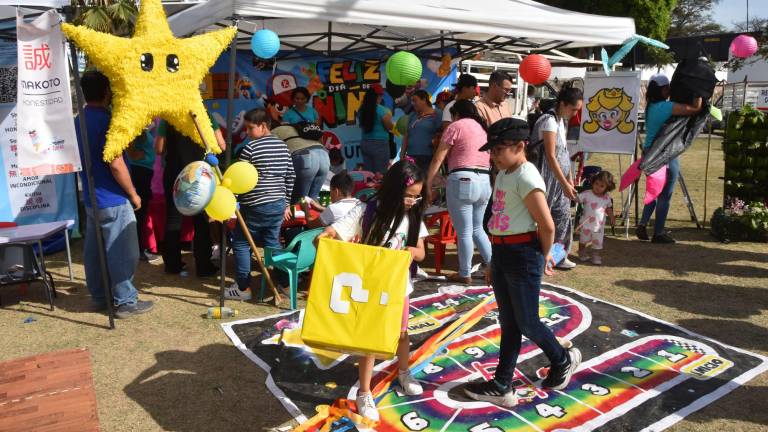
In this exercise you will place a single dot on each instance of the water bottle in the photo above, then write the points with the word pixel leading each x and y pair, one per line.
pixel 221 312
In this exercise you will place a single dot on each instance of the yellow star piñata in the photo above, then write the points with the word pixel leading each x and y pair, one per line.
pixel 153 74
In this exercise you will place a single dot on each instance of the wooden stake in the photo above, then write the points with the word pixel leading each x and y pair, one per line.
pixel 243 226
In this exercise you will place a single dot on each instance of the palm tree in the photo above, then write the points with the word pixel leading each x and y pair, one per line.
pixel 117 17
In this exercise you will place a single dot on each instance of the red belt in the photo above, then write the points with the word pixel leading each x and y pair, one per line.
pixel 514 238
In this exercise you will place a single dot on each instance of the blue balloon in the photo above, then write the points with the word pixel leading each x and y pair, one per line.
pixel 212 159
pixel 265 43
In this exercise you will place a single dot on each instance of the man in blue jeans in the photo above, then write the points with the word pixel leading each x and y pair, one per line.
pixel 116 199
pixel 266 206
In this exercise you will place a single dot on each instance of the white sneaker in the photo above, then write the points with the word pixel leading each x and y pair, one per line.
pixel 566 264
pixel 366 406
pixel 234 293
pixel 215 252
pixel 420 275
pixel 597 260
pixel 410 386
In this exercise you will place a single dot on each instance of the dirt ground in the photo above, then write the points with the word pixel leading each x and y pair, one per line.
pixel 171 369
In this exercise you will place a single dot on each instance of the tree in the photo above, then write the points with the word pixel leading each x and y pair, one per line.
pixel 652 17
pixel 755 24
pixel 694 17
pixel 117 17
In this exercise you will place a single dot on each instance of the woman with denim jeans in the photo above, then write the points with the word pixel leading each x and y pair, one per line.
pixel 522 233
pixel 374 120
pixel 310 163
pixel 469 185
pixel 658 110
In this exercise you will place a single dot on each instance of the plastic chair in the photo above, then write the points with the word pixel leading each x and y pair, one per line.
pixel 445 236
pixel 296 258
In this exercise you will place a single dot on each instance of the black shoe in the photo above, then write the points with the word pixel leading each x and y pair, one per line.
pixel 129 310
pixel 208 272
pixel 97 307
pixel 641 233
pixel 149 257
pixel 491 391
pixel 560 375
pixel 663 238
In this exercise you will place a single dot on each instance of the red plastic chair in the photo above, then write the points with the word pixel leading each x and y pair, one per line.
pixel 445 236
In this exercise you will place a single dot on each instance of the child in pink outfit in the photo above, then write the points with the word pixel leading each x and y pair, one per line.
pixel 596 203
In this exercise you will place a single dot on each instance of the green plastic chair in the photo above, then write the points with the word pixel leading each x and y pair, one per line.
pixel 365 194
pixel 296 258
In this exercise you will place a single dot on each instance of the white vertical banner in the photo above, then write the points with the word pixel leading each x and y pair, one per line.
pixel 609 115
pixel 45 131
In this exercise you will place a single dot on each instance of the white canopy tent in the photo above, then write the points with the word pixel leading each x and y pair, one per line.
pixel 351 27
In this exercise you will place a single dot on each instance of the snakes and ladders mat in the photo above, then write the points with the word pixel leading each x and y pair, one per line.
pixel 637 372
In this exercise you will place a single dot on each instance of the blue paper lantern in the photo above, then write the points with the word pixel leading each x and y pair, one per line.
pixel 265 44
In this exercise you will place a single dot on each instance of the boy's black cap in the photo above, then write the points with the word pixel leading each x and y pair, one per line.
pixel 506 129
pixel 466 80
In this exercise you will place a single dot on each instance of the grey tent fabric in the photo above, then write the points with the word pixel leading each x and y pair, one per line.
pixel 673 139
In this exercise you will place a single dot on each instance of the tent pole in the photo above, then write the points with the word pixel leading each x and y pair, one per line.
pixel 91 187
pixel 330 35
pixel 228 154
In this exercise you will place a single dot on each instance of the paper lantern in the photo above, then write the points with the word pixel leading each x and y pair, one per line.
pixel 194 187
pixel 403 68
pixel 535 69
pixel 743 46
pixel 223 204
pixel 240 177
pixel 265 43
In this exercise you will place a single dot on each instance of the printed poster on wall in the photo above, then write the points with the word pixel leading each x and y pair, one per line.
pixel 337 87
pixel 45 135
pixel 609 115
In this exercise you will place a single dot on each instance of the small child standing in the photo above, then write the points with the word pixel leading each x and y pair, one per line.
pixel 522 233
pixel 596 203
pixel 392 219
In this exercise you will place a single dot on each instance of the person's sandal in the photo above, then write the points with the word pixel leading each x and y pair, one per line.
pixel 455 277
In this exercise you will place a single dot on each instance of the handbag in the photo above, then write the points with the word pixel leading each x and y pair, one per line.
pixel 306 129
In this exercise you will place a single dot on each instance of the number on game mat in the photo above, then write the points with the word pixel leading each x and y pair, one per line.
pixel 475 352
pixel 432 368
pixel 413 422
pixel 595 389
pixel 636 372
pixel 484 427
pixel 674 358
pixel 546 410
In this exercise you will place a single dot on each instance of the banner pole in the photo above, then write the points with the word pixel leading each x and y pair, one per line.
pixel 228 154
pixel 91 187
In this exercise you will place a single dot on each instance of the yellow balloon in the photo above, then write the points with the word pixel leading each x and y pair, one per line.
pixel 242 177
pixel 222 205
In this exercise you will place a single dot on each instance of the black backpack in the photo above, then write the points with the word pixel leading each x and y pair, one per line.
pixel 307 130
pixel 534 151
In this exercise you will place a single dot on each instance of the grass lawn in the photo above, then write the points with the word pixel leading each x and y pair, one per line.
pixel 173 370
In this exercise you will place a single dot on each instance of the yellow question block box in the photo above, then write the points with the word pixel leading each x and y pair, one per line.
pixel 356 298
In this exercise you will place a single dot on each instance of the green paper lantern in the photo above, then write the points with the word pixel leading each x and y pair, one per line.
pixel 402 124
pixel 403 68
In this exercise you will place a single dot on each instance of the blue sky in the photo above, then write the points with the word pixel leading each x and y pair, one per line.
pixel 730 11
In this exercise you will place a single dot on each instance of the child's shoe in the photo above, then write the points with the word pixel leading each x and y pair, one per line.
pixel 491 391
pixel 597 260
pixel 410 386
pixel 584 255
pixel 560 375
pixel 233 292
pixel 366 406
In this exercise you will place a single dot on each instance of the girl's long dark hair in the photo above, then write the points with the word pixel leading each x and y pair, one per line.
pixel 368 110
pixel 466 109
pixel 654 93
pixel 390 205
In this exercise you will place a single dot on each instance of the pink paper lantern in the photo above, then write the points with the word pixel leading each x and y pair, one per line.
pixel 743 46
